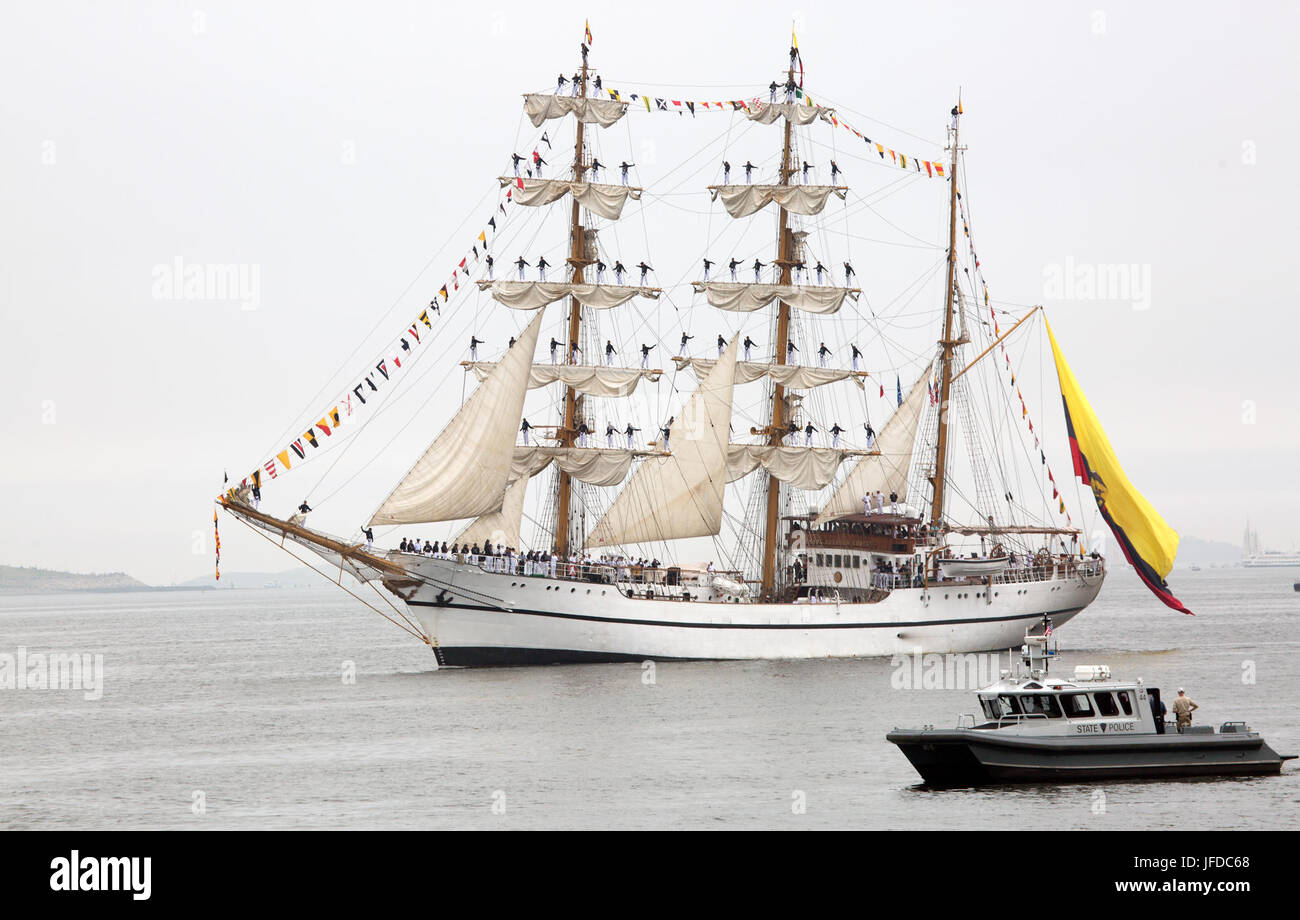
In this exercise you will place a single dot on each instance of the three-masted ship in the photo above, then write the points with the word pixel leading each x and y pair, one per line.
pixel 840 551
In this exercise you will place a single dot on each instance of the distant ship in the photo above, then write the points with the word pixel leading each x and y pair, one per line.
pixel 1254 557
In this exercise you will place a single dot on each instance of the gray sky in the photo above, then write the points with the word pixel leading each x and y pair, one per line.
pixel 335 149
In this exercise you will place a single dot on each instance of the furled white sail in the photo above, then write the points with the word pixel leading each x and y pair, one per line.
pixel 741 297
pixel 540 107
pixel 789 375
pixel 602 200
pixel 744 200
pixel 680 495
pixel 500 527
pixel 599 466
pixel 803 467
pixel 464 471
pixel 532 295
pixel 799 114
pixel 887 469
pixel 608 382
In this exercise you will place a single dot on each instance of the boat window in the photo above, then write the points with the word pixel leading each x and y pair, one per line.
pixel 1076 705
pixel 1125 701
pixel 1044 703
pixel 819 560
pixel 990 707
pixel 857 562
pixel 1106 704
pixel 837 562
pixel 1008 705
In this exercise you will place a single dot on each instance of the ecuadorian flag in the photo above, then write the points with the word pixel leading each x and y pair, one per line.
pixel 1149 543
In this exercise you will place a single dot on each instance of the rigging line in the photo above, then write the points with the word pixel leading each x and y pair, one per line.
pixel 839 106
pixel 404 386
pixel 380 322
pixel 330 579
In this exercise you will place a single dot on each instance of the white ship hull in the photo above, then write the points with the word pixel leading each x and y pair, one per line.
pixel 478 618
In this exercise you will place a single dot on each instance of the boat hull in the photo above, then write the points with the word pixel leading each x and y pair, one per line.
pixel 974 757
pixel 476 618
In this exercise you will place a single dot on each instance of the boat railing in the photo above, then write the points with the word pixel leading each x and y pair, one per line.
pixel 966 720
pixel 1014 718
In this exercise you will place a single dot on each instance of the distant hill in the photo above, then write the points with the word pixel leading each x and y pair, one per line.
pixel 22 580
pixel 302 577
pixel 1194 551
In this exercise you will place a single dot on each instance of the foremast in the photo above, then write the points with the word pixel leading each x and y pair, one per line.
pixel 786 261
pixel 578 264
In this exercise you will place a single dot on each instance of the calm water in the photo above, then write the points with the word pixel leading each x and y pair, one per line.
pixel 240 695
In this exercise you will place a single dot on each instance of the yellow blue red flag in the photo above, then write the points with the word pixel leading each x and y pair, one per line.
pixel 1149 543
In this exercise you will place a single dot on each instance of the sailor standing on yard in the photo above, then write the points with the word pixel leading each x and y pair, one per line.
pixel 644 268
pixel 836 431
pixel 707 265
pixel 554 345
pixel 629 431
pixel 524 429
pixel 609 353
pixel 370 538
pixel 474 343
pixel 609 434
pixel 667 431
pixel 871 435
pixel 748 343
pixel 624 167
pixel 733 265
pixel 1183 709
pixel 722 344
pixel 685 338
pixel 856 355
pixel 808 433
pixel 542 265
pixel 521 264
pixel 822 353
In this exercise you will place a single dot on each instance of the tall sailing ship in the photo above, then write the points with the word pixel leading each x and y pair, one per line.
pixel 833 550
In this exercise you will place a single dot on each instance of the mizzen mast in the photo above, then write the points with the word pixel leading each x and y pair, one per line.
pixel 947 344
pixel 785 259
pixel 577 262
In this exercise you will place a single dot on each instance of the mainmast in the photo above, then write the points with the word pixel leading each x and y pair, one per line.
pixel 578 262
pixel 948 344
pixel 785 259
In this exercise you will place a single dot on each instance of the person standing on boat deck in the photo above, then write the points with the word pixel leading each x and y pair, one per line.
pixel 749 173
pixel 707 266
pixel 856 355
pixel 871 435
pixel 489 261
pixel 893 504
pixel 808 433
pixel 518 159
pixel 609 353
pixel 822 353
pixel 645 355
pixel 521 264
pixel 682 349
pixel 758 267
pixel 474 343
pixel 629 431
pixel 722 344
pixel 618 271
pixel 524 428
pixel 644 268
pixel 880 502
pixel 748 344
pixel 866 503
pixel 623 168
pixel 836 431
pixel 609 434
pixel 542 266
pixel 1183 709
pixel 401 547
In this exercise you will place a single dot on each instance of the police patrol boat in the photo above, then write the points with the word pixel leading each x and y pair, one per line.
pixel 1036 728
